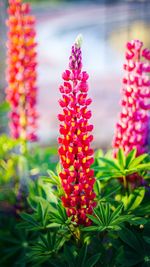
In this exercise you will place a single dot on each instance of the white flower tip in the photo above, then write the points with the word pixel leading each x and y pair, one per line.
pixel 79 40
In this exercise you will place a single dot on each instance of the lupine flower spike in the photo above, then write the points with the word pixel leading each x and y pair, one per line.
pixel 75 152
pixel 21 71
pixel 132 128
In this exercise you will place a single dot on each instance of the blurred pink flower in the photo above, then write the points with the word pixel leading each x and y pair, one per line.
pixel 21 71
pixel 132 128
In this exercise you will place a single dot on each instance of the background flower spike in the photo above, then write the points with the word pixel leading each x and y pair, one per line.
pixel 131 131
pixel 21 71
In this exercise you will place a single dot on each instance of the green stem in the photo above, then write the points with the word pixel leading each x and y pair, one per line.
pixel 125 182
pixel 23 147
pixel 23 167
pixel 75 233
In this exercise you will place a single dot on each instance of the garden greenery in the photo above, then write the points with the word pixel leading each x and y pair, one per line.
pixel 77 206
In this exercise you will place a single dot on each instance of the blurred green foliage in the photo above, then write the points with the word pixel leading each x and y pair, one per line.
pixel 4 109
pixel 44 236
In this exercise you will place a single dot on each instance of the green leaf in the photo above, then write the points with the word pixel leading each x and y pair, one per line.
pixel 40 211
pixel 98 153
pixel 54 178
pixel 93 260
pixel 97 188
pixel 122 218
pixel 82 256
pixel 130 239
pixel 94 219
pixel 53 225
pixel 91 229
pixel 132 201
pixel 144 167
pixel 106 219
pixel 137 160
pixel 69 257
pixel 131 155
pixel 58 168
pixel 116 212
pixel 137 220
pixel 121 158
pixel 62 211
pixel 110 163
pixel 29 218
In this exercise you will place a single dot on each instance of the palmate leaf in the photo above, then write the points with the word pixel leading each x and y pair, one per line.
pixel 46 248
pixel 122 166
pixel 111 163
pixel 133 201
pixel 144 167
pixel 42 212
pixel 75 258
pixel 46 215
pixel 109 169
pixel 136 161
pixel 106 219
pixel 59 215
pixel 29 218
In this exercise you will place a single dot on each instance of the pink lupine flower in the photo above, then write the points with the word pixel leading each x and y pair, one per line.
pixel 21 71
pixel 132 128
pixel 75 152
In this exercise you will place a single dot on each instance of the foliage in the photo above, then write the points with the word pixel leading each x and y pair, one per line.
pixel 4 108
pixel 122 165
pixel 43 235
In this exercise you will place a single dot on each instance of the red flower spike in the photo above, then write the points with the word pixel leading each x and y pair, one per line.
pixel 76 156
pixel 21 71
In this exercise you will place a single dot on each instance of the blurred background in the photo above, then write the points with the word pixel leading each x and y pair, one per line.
pixel 106 26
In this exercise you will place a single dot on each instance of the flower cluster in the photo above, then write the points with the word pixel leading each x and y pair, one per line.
pixel 75 153
pixel 21 71
pixel 132 129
